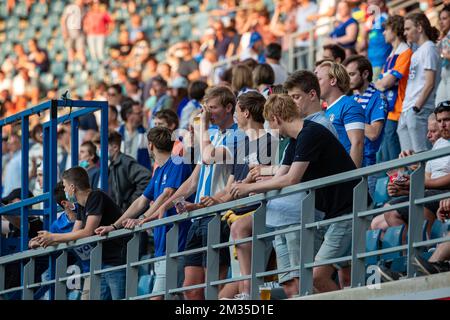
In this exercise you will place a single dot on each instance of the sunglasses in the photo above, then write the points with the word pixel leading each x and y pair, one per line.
pixel 445 104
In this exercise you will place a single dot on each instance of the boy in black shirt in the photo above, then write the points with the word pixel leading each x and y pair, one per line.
pixel 96 208
pixel 313 152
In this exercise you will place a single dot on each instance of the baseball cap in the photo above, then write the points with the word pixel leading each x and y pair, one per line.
pixel 15 194
pixel 254 37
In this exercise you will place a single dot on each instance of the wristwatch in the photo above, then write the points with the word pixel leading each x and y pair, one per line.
pixel 416 109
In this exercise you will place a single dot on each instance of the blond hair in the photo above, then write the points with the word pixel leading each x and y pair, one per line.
pixel 282 106
pixel 337 71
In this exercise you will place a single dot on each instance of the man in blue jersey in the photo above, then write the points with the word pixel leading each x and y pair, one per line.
pixel 346 114
pixel 168 177
pixel 374 104
pixel 207 179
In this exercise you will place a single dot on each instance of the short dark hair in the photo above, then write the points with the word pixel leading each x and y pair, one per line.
pixel 397 25
pixel 77 176
pixel 263 74
pixel 273 51
pixel 160 80
pixel 336 50
pixel 443 106
pixel 114 138
pixel 197 90
pixel 117 87
pixel 161 137
pixel 250 62
pixel 303 79
pixel 113 109
pixel 127 108
pixel 169 115
pixel 363 64
pixel 92 149
pixel 253 101
pixel 59 193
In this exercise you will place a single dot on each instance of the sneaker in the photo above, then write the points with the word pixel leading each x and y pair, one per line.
pixel 387 274
pixel 240 296
pixel 431 267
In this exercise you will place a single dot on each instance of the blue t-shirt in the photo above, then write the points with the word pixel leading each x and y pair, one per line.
pixel 171 175
pixel 346 114
pixel 341 31
pixel 374 104
pixel 378 49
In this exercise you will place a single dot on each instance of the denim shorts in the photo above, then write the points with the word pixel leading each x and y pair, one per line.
pixel 287 249
pixel 198 237
pixel 337 243
pixel 160 277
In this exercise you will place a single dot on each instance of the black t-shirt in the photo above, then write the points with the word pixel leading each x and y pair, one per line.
pixel 254 152
pixel 99 203
pixel 326 156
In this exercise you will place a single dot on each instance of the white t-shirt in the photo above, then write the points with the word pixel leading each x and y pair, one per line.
pixel 426 57
pixel 324 6
pixel 280 73
pixel 441 166
pixel 303 25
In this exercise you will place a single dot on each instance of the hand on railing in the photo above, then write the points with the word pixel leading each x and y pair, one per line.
pixel 240 190
pixel 45 239
pixel 103 230
pixel 443 212
pixel 209 201
pixel 131 223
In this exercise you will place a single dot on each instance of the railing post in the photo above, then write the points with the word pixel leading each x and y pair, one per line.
pixel 360 225
pixel 171 263
pixel 61 272
pixel 28 279
pixel 416 217
pixel 74 141
pixel 24 184
pixel 311 52
pixel 2 278
pixel 132 273
pixel 291 54
pixel 212 258
pixel 307 243
pixel 104 147
pixel 258 250
pixel 95 265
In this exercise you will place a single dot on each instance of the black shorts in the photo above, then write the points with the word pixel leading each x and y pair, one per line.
pixel 432 206
pixel 197 238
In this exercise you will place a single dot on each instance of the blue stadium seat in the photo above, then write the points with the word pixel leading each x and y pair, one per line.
pixel 145 284
pixel 372 244
pixel 58 6
pixel 392 238
pixel 47 81
pixel 439 229
pixel 381 196
pixel 74 295
pixel 58 68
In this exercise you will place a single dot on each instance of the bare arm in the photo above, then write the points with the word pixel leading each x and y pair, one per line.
pixel 356 138
pixel 373 131
pixel 437 183
pixel 167 193
pixel 387 82
pixel 351 33
pixel 427 89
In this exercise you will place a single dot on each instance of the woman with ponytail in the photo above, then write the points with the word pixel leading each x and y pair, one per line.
pixel 424 76
pixel 443 91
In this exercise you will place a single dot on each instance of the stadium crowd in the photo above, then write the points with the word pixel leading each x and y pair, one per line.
pixel 379 90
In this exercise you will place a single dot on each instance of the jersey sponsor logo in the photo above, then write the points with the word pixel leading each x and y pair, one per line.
pixel 332 117
pixel 84 252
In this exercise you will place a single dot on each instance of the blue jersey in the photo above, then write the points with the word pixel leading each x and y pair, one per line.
pixel 374 104
pixel 171 175
pixel 378 49
pixel 346 114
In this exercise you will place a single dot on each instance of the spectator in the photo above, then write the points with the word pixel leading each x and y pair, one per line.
pixel 424 75
pixel 90 162
pixel 179 93
pixel 241 79
pixel 259 148
pixel 169 119
pixel 374 104
pixel 165 71
pixel 263 27
pixel 312 153
pixel 255 49
pixel 437 181
pixel 346 29
pixel 127 178
pixel 167 178
pixel 283 21
pixel 196 92
pixel 378 49
pixel 5 82
pixel 263 78
pixel 222 41
pixel 133 133
pixel 97 25
pixel 135 27
pixel 304 26
pixel 206 66
pixel 96 208
pixel 115 96
pixel 72 31
pixel 323 20
pixel 163 100
pixel 438 262
pixel 150 71
pixel 36 152
pixel 133 90
pixel 273 57
pixel 346 115
pixel 333 52
pixel 187 67
pixel 393 83
pixel 443 90
pixel 13 169
pixel 38 56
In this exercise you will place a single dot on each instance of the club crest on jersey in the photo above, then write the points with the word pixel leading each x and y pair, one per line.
pixel 332 117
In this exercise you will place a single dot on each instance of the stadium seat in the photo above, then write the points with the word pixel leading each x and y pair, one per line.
pixel 58 69
pixel 74 295
pixel 381 196
pixel 439 229
pixel 145 284
pixel 372 244
pixel 47 81
pixel 392 238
